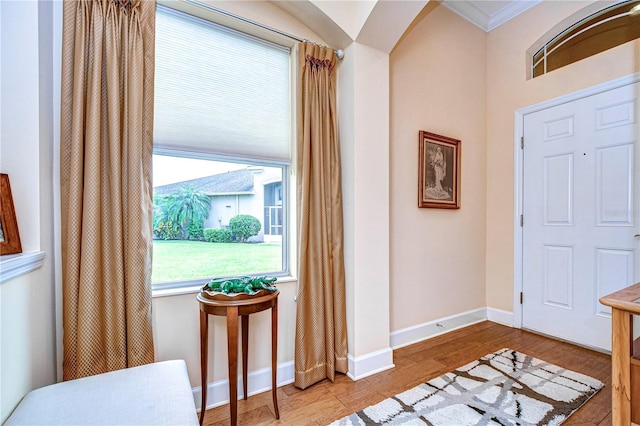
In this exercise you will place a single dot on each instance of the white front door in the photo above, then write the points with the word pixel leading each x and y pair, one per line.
pixel 580 213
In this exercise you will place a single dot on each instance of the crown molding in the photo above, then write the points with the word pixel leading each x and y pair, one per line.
pixel 483 13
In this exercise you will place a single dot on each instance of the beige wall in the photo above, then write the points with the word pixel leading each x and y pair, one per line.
pixel 445 76
pixel 437 85
pixel 27 303
pixel 507 91
pixel 28 339
pixel 364 143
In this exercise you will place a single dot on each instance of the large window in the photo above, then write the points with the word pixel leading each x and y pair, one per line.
pixel 222 150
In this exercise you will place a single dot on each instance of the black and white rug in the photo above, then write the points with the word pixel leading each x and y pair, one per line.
pixel 502 388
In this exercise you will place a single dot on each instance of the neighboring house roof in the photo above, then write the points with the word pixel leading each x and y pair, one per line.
pixel 235 182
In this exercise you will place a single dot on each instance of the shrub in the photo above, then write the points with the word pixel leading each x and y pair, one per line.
pixel 166 230
pixel 244 226
pixel 196 230
pixel 217 235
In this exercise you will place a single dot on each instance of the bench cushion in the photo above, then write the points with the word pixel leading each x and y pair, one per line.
pixel 153 394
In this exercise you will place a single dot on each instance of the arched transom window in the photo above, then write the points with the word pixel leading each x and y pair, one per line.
pixel 600 31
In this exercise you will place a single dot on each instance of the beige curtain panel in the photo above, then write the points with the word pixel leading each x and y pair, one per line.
pixel 321 327
pixel 106 188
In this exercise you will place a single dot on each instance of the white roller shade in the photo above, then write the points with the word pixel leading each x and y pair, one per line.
pixel 220 91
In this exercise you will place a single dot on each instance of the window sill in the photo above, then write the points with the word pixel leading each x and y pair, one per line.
pixel 193 287
pixel 15 265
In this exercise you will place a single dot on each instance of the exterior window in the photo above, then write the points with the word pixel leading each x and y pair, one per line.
pixel 273 214
pixel 222 129
pixel 601 31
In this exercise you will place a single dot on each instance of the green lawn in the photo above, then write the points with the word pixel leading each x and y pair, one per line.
pixel 183 260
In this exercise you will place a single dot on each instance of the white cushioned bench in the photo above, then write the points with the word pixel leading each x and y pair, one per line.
pixel 153 394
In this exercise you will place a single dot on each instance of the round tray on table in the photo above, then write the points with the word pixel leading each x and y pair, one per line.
pixel 220 296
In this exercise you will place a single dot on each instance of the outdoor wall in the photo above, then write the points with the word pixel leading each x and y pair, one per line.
pixel 224 207
pixel 437 85
pixel 27 302
pixel 507 91
pixel 220 214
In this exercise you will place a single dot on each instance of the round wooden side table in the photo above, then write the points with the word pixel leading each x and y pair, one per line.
pixel 233 306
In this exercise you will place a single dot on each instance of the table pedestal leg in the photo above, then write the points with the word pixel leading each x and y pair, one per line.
pixel 204 334
pixel 245 353
pixel 274 357
pixel 232 348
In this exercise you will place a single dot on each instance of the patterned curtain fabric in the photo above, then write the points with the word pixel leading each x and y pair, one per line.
pixel 321 327
pixel 106 188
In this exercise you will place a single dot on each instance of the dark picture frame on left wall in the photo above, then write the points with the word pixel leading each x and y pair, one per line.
pixel 9 235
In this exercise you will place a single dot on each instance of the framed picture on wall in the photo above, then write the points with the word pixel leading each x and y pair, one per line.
pixel 439 171
pixel 9 236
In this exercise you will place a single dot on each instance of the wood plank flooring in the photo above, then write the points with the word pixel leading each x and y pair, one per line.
pixel 325 401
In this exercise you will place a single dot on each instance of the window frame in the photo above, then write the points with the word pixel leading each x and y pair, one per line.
pixel 289 241
pixel 287 209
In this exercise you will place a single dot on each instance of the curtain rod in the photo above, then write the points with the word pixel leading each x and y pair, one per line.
pixel 339 52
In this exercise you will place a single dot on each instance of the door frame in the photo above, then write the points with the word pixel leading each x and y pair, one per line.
pixel 518 159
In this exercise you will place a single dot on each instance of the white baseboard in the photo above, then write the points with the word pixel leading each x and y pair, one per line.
pixel 361 366
pixel 257 381
pixel 500 316
pixel 369 364
pixel 260 381
pixel 427 330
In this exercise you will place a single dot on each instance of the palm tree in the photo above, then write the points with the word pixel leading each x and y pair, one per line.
pixel 187 205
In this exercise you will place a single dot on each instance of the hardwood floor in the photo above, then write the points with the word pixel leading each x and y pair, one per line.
pixel 324 402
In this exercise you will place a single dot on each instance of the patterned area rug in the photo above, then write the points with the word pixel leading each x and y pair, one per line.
pixel 502 388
